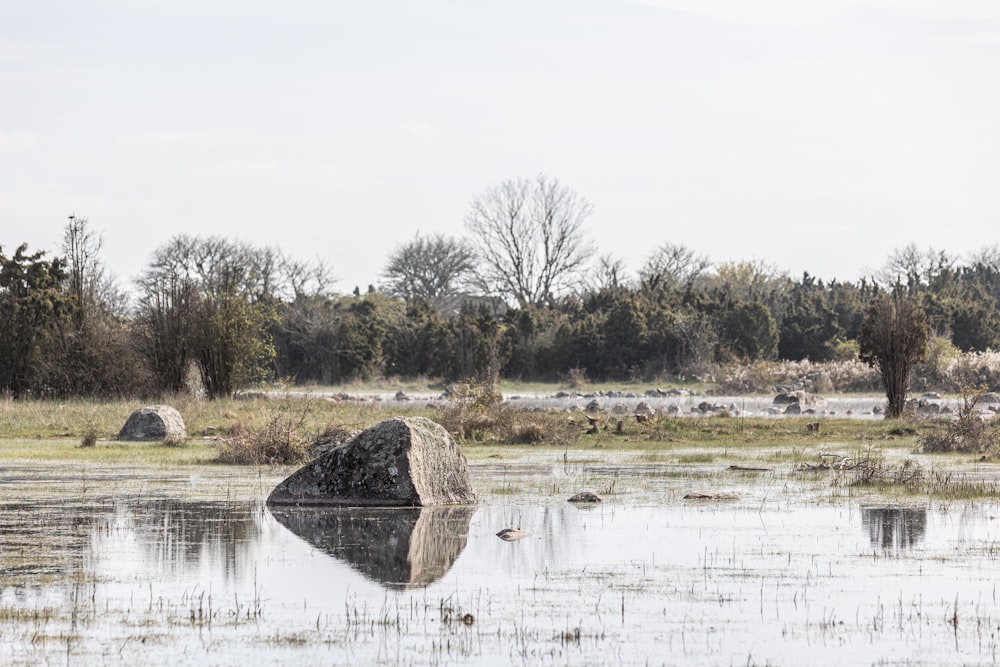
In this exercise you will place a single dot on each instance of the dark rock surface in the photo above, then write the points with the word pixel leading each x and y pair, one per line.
pixel 331 440
pixel 400 462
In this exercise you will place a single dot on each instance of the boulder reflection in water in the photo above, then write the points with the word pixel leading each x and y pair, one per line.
pixel 395 547
pixel 894 528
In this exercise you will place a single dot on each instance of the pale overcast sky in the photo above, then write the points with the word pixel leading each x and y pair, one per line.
pixel 817 135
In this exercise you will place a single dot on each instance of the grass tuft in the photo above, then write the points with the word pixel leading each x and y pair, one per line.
pixel 278 442
pixel 89 438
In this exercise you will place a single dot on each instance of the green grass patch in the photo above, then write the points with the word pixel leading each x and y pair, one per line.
pixel 55 430
pixel 109 452
pixel 700 457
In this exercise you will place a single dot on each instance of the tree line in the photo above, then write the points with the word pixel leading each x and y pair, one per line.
pixel 523 296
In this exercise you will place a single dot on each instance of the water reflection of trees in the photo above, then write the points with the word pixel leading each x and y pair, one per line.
pixel 396 547
pixel 46 539
pixel 174 535
pixel 42 539
pixel 894 528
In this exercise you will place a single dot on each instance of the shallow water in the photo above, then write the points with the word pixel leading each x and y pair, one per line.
pixel 135 566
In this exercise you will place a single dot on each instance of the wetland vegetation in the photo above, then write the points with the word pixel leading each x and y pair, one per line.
pixel 136 553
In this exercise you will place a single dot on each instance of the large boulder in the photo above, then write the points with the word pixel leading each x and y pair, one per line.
pixel 401 462
pixel 154 422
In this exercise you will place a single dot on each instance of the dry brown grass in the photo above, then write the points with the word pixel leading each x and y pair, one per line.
pixel 280 441
pixel 477 413
pixel 969 432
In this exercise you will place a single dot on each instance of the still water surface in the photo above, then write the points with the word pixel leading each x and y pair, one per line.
pixel 127 566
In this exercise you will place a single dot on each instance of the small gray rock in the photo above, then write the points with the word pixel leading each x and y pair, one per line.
pixel 512 534
pixel 585 497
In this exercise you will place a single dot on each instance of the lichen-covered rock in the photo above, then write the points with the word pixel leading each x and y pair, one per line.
pixel 154 422
pixel 401 462
pixel 331 440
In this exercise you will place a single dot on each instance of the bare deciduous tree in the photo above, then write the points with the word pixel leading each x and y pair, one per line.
pixel 91 354
pixel 987 257
pixel 88 282
pixel 611 274
pixel 673 266
pixel 436 268
pixel 914 268
pixel 530 239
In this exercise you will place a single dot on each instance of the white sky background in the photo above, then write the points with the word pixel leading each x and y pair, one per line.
pixel 816 135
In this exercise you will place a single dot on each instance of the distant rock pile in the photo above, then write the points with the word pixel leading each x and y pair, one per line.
pixel 799 402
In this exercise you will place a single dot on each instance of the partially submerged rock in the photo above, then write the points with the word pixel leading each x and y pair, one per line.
pixel 702 495
pixel 400 462
pixel 512 534
pixel 585 497
pixel 154 422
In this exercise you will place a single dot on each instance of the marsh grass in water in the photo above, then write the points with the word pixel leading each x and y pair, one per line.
pixel 789 569
pixel 914 478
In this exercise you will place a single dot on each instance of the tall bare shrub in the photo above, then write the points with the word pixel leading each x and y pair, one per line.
pixel 893 340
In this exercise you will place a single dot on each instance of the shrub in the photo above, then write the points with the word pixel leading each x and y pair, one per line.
pixel 874 471
pixel 576 378
pixel 936 371
pixel 844 350
pixel 968 433
pixel 477 412
pixel 89 436
pixel 473 411
pixel 278 442
pixel 528 433
pixel 893 340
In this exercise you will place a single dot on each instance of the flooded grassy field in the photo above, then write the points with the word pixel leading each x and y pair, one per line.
pixel 114 564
